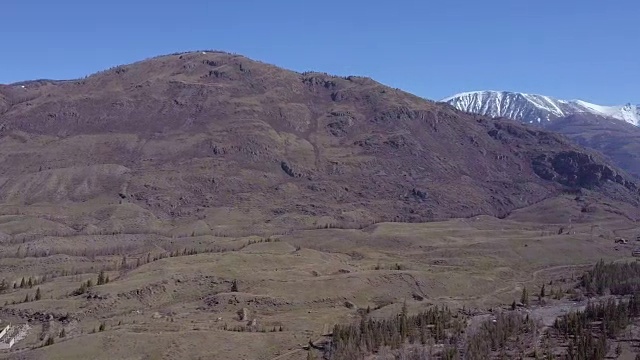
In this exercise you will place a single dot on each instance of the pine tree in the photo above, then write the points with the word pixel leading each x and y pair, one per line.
pixel 26 298
pixel 404 327
pixel 101 278
pixel 82 289
pixel 513 305
pixel 234 286
pixel 106 279
pixel 63 333
pixel 102 327
pixel 524 298
pixel 30 282
pixel 23 283
pixel 542 294
pixel 38 294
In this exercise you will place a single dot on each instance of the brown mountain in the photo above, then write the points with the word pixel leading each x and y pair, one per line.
pixel 618 140
pixel 611 130
pixel 219 140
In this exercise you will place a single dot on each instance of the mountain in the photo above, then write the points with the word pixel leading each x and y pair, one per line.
pixel 614 130
pixel 209 141
pixel 536 109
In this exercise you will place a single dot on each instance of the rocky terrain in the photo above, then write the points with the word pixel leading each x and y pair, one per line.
pixel 611 130
pixel 190 137
pixel 205 205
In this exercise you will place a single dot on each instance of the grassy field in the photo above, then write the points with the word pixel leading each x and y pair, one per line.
pixel 178 297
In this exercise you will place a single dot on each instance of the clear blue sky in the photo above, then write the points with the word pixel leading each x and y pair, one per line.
pixel 565 48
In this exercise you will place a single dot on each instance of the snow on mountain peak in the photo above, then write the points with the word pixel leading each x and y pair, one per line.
pixel 534 108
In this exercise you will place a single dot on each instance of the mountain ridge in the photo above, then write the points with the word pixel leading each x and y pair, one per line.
pixel 612 131
pixel 193 137
pixel 536 108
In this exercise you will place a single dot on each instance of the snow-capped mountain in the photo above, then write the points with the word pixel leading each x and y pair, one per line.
pixel 538 109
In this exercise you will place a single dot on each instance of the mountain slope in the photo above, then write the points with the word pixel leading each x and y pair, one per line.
pixel 614 131
pixel 221 141
pixel 616 139
pixel 538 109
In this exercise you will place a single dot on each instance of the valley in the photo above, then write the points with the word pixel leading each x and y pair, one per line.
pixel 265 296
pixel 203 205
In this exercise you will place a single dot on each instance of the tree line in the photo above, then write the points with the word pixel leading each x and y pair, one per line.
pixel 506 330
pixel 437 324
pixel 613 278
pixel 588 331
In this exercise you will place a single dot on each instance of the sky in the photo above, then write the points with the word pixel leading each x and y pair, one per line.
pixel 568 49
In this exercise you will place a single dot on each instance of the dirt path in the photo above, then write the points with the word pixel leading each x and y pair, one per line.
pixel 549 313
pixel 534 276
pixel 537 272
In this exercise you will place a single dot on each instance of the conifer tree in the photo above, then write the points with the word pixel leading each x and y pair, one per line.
pixel 82 289
pixel 524 298
pixel 101 278
pixel 38 294
pixel 403 322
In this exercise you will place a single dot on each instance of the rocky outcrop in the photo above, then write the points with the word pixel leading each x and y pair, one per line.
pixel 576 169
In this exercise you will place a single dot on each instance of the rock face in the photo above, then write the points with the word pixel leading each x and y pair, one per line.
pixel 612 130
pixel 576 169
pixel 188 137
pixel 617 140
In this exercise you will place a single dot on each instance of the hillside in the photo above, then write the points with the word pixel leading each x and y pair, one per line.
pixel 611 130
pixel 204 205
pixel 213 141
pixel 619 141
